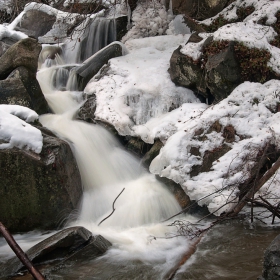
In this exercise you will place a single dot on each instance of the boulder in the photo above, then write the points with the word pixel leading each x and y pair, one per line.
pixel 35 23
pixel 93 64
pixel 18 83
pixel 56 247
pixel 271 265
pixel 38 191
pixel 23 53
pixel 22 88
pixel 152 153
pixel 223 73
pixel 3 48
pixel 199 10
pixel 87 110
pixel 181 197
pixel 186 72
pixel 213 76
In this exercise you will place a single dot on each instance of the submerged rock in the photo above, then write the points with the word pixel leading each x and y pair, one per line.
pixel 38 191
pixel 55 247
pixel 71 246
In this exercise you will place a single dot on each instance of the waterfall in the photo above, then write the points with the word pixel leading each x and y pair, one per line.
pixel 95 34
pixel 105 167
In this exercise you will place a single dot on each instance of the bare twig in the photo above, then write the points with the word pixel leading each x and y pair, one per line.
pixel 113 206
pixel 20 254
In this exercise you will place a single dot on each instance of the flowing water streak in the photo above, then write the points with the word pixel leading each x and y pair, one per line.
pixel 106 169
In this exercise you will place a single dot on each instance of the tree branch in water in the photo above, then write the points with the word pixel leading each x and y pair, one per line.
pixel 20 254
pixel 113 206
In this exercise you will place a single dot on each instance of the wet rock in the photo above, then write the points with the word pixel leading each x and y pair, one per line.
pixel 23 53
pixel 199 10
pixel 38 191
pixel 35 23
pixel 182 198
pixel 56 247
pixel 152 153
pixel 137 146
pixel 271 265
pixel 86 112
pixel 92 65
pixel 121 26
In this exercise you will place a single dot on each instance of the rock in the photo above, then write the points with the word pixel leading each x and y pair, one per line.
pixel 87 110
pixel 137 146
pixel 152 153
pixel 223 73
pixel 13 92
pixel 199 10
pixel 35 23
pixel 213 76
pixel 193 24
pixel 182 198
pixel 3 48
pixel 38 191
pixel 23 53
pixel 187 73
pixel 10 94
pixel 121 26
pixel 18 83
pixel 48 52
pixel 56 247
pixel 271 265
pixel 92 65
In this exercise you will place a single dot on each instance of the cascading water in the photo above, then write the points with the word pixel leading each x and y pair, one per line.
pixel 106 169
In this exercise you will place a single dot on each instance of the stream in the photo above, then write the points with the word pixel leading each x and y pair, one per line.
pixel 144 247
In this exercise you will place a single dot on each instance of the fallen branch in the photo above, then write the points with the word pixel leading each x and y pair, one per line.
pixel 20 254
pixel 113 206
pixel 249 195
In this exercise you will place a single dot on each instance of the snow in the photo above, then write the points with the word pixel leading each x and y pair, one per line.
pixel 16 132
pixel 149 18
pixel 249 109
pixel 7 32
pixel 136 93
pixel 263 9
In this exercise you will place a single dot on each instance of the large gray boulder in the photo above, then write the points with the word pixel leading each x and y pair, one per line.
pixel 38 191
pixel 35 23
pixel 271 265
